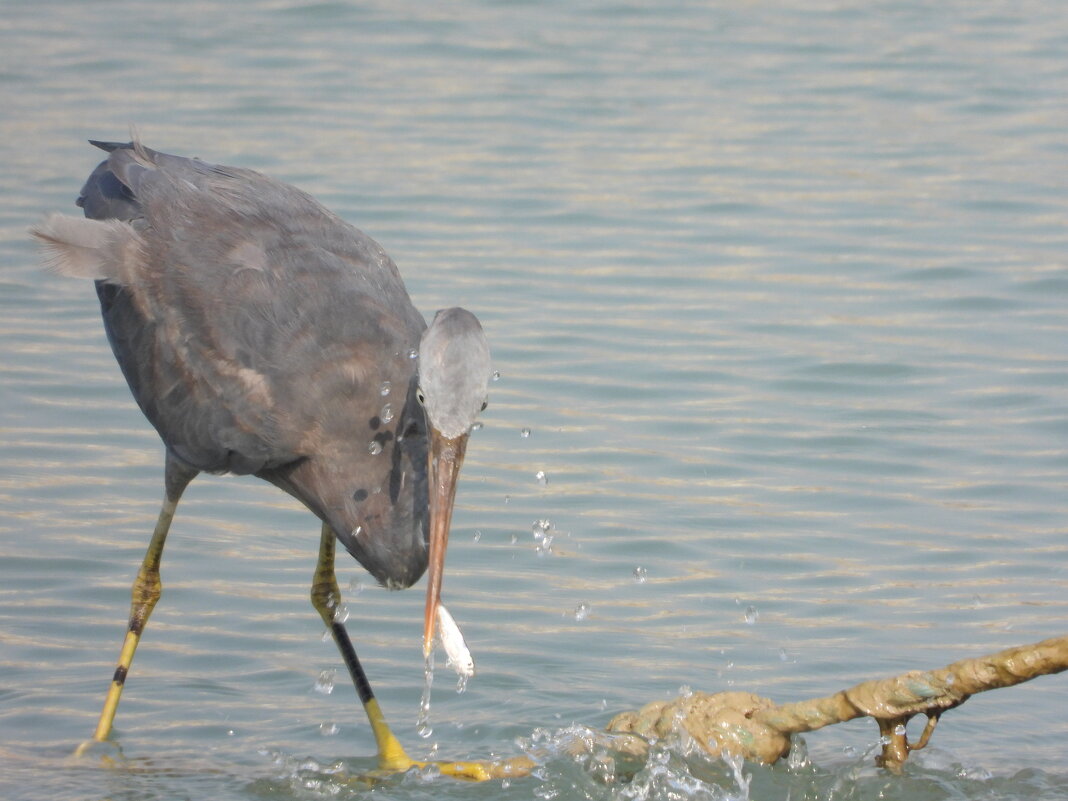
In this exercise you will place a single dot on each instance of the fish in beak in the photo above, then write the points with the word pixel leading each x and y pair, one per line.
pixel 444 461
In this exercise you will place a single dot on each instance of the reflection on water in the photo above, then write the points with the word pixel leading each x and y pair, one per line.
pixel 776 293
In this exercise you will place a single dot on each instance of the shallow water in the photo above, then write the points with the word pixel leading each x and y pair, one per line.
pixel 778 290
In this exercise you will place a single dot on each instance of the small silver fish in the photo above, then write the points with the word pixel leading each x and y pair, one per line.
pixel 457 655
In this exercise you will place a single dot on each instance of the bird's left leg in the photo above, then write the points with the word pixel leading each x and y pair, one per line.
pixel 145 593
pixel 326 596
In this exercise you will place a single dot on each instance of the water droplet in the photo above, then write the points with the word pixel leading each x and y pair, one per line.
pixel 685 691
pixel 422 724
pixel 327 635
pixel 950 679
pixel 374 447
pixel 539 528
pixel 328 729
pixel 461 684
pixel 515 539
pixel 542 479
pixel 899 729
pixel 476 536
pixel 385 388
pixel 430 771
pixel 356 586
pixel 476 426
pixel 977 601
pixel 413 354
pixel 751 615
pixel 387 413
pixel 525 433
pixel 341 613
pixel 641 575
pixel 782 655
pixel 582 611
pixel 496 375
pixel 325 683
pixel 850 751
pixel 355 533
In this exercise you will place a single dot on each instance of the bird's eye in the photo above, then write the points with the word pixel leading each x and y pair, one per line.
pixel 484 405
pixel 419 396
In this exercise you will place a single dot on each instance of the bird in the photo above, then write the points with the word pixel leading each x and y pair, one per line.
pixel 261 334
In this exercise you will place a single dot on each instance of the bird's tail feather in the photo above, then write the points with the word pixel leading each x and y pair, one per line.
pixel 108 250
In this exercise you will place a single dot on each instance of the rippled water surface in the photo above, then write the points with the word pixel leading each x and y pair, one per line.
pixel 777 291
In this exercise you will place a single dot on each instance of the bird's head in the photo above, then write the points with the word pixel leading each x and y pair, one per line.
pixel 454 374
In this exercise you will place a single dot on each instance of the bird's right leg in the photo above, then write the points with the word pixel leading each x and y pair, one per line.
pixel 326 596
pixel 391 754
pixel 146 591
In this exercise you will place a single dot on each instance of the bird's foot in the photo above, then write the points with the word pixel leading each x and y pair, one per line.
pixel 466 771
pixel 107 752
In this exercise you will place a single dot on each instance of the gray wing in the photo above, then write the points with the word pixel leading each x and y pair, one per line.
pixel 260 327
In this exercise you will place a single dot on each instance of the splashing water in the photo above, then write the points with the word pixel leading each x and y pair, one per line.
pixel 341 613
pixel 325 683
pixel 422 723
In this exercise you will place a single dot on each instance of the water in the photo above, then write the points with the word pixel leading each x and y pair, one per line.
pixel 779 287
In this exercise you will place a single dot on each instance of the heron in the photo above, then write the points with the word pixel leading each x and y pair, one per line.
pixel 260 334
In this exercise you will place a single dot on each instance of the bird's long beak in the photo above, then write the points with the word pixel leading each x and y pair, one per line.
pixel 445 458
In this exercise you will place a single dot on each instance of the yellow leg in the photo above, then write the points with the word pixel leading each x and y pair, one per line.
pixel 392 757
pixel 146 591
pixel 326 596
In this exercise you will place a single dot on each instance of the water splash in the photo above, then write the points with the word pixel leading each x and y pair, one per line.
pixel 374 447
pixel 525 433
pixel 387 413
pixel 422 723
pixel 325 683
pixel 579 762
pixel 541 478
pixel 582 611
pixel 543 532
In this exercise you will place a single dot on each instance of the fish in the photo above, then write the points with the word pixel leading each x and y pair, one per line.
pixel 457 654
